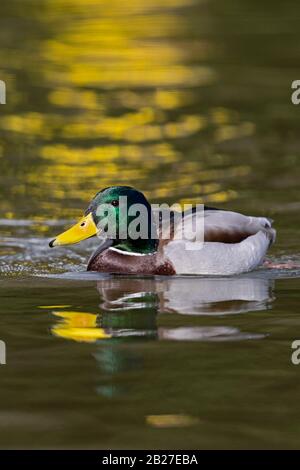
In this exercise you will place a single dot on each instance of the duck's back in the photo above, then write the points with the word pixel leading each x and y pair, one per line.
pixel 230 243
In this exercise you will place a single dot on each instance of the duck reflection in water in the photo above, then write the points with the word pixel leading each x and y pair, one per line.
pixel 129 311
pixel 129 308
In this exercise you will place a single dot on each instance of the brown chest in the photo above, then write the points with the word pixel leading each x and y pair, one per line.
pixel 112 261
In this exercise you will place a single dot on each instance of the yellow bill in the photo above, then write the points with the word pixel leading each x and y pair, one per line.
pixel 85 228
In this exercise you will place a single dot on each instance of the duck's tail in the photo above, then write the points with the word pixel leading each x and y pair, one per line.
pixel 268 229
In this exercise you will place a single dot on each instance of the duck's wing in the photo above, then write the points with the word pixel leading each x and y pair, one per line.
pixel 210 225
pixel 233 242
pixel 223 226
pixel 232 227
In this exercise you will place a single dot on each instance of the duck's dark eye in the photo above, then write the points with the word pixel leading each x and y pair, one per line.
pixel 83 224
pixel 115 203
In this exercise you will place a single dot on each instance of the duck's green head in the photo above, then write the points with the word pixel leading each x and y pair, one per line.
pixel 121 214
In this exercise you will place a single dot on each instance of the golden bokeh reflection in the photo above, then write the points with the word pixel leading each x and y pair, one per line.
pixel 113 95
pixel 78 326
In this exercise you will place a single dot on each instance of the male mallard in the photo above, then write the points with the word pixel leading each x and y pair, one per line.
pixel 233 243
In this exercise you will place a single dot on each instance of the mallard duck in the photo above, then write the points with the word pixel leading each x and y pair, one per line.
pixel 233 243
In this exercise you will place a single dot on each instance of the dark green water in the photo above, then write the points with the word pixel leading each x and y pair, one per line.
pixel 188 101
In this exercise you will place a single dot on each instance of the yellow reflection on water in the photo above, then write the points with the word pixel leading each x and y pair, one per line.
pixel 79 326
pixel 120 80
pixel 171 420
